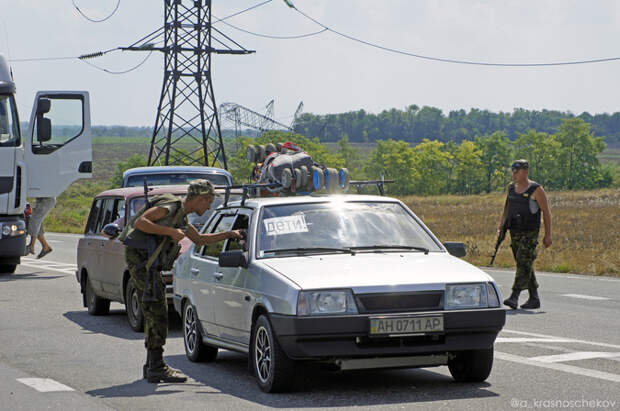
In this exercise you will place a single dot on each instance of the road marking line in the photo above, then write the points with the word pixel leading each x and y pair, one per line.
pixel 586 297
pixel 44 267
pixel 575 356
pixel 571 369
pixel 617 347
pixel 44 384
pixel 527 340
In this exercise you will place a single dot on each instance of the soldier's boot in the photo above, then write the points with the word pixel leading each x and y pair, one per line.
pixel 145 367
pixel 159 371
pixel 532 302
pixel 513 300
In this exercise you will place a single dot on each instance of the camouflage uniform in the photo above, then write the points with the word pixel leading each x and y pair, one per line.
pixel 523 246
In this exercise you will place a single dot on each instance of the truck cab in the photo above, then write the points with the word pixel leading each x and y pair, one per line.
pixel 53 152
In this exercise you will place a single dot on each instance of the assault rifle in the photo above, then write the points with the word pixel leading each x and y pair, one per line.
pixel 151 285
pixel 500 238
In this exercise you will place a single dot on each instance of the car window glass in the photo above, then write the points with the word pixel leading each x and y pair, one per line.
pixel 138 202
pixel 166 179
pixel 224 224
pixel 67 120
pixel 92 217
pixel 106 215
pixel 9 126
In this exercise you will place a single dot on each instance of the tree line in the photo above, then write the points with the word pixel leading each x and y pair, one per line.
pixel 414 124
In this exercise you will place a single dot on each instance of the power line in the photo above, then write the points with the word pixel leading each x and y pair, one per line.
pixel 242 11
pixel 299 36
pixel 449 60
pixel 118 3
pixel 119 72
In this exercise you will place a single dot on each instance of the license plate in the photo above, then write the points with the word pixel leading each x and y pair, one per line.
pixel 405 325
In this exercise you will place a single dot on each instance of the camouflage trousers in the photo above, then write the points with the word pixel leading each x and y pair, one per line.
pixel 523 246
pixel 155 312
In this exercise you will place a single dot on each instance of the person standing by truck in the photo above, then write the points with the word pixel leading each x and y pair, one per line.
pixel 165 219
pixel 526 199
pixel 42 207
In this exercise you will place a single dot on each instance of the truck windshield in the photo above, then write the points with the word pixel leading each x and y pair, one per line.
pixel 9 124
pixel 340 226
pixel 166 179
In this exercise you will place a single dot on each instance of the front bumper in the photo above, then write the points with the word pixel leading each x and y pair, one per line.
pixel 348 336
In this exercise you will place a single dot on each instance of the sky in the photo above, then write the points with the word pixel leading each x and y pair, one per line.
pixel 329 73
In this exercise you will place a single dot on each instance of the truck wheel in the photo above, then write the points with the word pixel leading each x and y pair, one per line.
pixel 195 349
pixel 274 371
pixel 7 268
pixel 471 366
pixel 96 305
pixel 135 316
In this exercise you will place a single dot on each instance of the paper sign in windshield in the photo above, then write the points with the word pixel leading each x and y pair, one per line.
pixel 286 225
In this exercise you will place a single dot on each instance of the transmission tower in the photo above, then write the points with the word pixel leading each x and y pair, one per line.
pixel 187 128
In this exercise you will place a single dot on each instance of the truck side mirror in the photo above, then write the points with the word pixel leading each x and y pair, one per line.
pixel 234 258
pixel 44 129
pixel 43 106
pixel 456 249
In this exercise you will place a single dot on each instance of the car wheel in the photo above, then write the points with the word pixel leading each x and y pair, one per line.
pixel 7 268
pixel 135 316
pixel 274 371
pixel 96 305
pixel 195 349
pixel 471 366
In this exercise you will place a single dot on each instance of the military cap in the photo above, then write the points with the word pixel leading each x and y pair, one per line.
pixel 201 187
pixel 519 164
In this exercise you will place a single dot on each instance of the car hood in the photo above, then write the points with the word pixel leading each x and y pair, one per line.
pixel 374 272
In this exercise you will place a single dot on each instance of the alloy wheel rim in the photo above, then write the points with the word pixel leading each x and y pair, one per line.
pixel 134 304
pixel 262 354
pixel 190 329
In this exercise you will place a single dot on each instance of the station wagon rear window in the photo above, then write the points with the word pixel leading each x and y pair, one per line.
pixel 166 179
pixel 339 225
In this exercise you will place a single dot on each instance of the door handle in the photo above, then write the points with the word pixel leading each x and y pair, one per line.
pixel 218 276
pixel 195 271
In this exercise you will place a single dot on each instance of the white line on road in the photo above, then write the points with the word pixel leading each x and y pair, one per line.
pixel 586 297
pixel 553 337
pixel 528 340
pixel 558 367
pixel 44 384
pixel 575 356
pixel 49 265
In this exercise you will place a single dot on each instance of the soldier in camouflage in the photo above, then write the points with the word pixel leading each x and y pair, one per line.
pixel 525 201
pixel 166 219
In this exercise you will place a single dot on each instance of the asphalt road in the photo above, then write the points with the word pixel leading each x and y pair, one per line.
pixel 53 355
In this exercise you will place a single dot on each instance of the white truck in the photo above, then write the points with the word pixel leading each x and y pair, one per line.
pixel 54 151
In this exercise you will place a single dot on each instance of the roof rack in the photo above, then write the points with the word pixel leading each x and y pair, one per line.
pixel 246 190
pixel 379 183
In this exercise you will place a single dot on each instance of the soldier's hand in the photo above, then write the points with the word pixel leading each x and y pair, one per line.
pixel 177 235
pixel 236 234
pixel 547 241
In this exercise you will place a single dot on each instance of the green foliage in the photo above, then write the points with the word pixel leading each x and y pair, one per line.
pixel 496 157
pixel 137 160
pixel 468 169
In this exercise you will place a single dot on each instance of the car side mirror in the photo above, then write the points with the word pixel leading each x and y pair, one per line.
pixel 44 129
pixel 234 258
pixel 456 249
pixel 112 230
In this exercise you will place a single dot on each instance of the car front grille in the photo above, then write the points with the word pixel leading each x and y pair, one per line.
pixel 399 302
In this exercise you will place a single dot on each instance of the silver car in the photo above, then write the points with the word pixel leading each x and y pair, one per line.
pixel 354 281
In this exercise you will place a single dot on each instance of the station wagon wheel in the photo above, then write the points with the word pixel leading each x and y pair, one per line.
pixel 96 305
pixel 471 366
pixel 135 317
pixel 195 349
pixel 274 371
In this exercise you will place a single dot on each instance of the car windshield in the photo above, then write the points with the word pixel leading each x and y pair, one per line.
pixel 166 179
pixel 9 131
pixel 340 227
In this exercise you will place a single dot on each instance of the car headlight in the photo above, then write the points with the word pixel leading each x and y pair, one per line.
pixel 459 296
pixel 492 296
pixel 325 302
pixel 13 229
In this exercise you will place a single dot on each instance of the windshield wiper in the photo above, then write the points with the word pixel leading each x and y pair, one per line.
pixel 306 250
pixel 387 246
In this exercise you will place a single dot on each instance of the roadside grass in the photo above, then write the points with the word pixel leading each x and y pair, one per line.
pixel 585 229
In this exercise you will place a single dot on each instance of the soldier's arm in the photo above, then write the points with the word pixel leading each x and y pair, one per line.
pixel 147 223
pixel 206 239
pixel 541 198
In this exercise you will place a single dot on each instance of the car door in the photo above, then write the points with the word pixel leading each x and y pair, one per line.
pixel 113 253
pixel 204 272
pixel 97 272
pixel 232 301
pixel 87 257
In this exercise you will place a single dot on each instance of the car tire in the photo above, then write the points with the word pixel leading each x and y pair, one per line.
pixel 96 305
pixel 7 268
pixel 250 154
pixel 274 371
pixel 471 366
pixel 135 316
pixel 195 349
